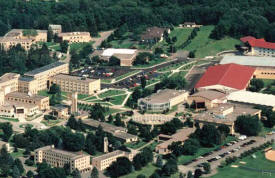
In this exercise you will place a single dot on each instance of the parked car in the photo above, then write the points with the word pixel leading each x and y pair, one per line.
pixel 242 137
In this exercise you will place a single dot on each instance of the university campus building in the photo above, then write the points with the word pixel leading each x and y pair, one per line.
pixel 19 36
pixel 259 47
pixel 58 158
pixel 104 161
pixel 75 37
pixel 126 56
pixel 162 100
pixel 81 85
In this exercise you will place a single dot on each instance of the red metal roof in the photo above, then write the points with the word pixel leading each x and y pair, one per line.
pixel 229 75
pixel 261 43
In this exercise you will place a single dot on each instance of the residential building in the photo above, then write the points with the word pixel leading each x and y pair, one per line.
pixel 225 114
pixel 58 158
pixel 75 37
pixel 162 100
pixel 190 25
pixel 126 56
pixel 252 98
pixel 104 161
pixel 43 74
pixel 23 98
pixel 153 34
pixel 259 47
pixel 28 85
pixel 265 66
pixel 226 77
pixel 56 29
pixel 21 36
pixel 166 140
pixel 118 132
pixel 207 99
pixel 81 85
pixel 5 144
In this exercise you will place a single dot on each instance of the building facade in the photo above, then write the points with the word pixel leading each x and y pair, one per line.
pixel 69 83
pixel 56 29
pixel 58 158
pixel 104 161
pixel 162 100
pixel 75 37
pixel 43 74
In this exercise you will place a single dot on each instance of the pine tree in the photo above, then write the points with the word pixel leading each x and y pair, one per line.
pixel 94 173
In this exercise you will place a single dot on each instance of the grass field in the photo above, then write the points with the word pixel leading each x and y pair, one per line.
pixel 110 93
pixel 135 145
pixel 150 64
pixel 205 46
pixel 118 100
pixel 78 46
pixel 185 158
pixel 181 34
pixel 17 154
pixel 258 163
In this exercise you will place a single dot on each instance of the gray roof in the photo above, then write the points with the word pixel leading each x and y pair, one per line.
pixel 249 61
pixel 26 78
pixel 44 68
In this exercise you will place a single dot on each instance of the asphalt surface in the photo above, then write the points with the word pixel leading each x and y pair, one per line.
pixel 214 164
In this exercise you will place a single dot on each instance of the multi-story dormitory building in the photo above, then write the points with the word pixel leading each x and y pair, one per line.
pixel 58 158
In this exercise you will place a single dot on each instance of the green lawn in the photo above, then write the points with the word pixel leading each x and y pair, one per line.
pixel 43 93
pixel 110 93
pixel 181 34
pixel 258 163
pixel 51 122
pixel 78 46
pixel 205 46
pixel 118 100
pixel 106 80
pixel 17 154
pixel 135 145
pixel 185 158
pixel 9 119
pixel 148 171
pixel 90 98
pixel 122 43
pixel 82 96
pixel 268 82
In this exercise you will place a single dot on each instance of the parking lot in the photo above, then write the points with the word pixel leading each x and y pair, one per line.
pixel 234 148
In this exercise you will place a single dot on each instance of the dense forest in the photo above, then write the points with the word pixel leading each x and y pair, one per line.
pixel 231 17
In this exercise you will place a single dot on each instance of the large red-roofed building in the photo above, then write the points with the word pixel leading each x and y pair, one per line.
pixel 226 77
pixel 259 47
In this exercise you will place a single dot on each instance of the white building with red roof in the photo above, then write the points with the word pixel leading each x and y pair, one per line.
pixel 226 77
pixel 259 47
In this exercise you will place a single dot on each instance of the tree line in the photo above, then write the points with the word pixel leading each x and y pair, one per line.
pixel 232 17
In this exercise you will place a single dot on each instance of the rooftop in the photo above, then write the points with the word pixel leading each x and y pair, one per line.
pixel 112 51
pixel 163 96
pixel 181 136
pixel 45 68
pixel 3 143
pixel 54 26
pixel 8 76
pixel 249 61
pixel 153 32
pixel 260 43
pixel 10 39
pixel 225 113
pixel 73 78
pixel 229 75
pixel 25 96
pixel 252 98
pixel 72 155
pixel 109 155
pixel 26 78
pixel 210 94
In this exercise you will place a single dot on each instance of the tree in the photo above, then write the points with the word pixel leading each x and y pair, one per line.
pixel 72 123
pixel 50 35
pixel 15 172
pixel 189 174
pixel 143 82
pixel 155 175
pixel 159 161
pixel 94 173
pixel 110 118
pixel 206 167
pixel 30 174
pixel 191 54
pixel 120 167
pixel 7 130
pixel 18 165
pixel 170 167
pixel 66 168
pixel 197 173
pixel 114 61
pixel 158 51
pixel 176 148
pixel 191 146
pixel 256 85
pixel 209 136
pixel 248 125
pixel 224 129
pixel 141 176
pixel 54 89
pixel 172 49
pixel 76 174
pixel 271 120
pixel 64 46
pixel 73 141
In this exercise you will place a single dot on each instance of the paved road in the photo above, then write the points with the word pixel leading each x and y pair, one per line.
pixel 215 164
pixel 103 36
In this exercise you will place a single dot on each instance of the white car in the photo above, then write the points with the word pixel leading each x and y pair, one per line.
pixel 242 137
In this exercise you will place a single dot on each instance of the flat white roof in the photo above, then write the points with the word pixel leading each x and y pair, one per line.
pixel 249 60
pixel 111 51
pixel 252 98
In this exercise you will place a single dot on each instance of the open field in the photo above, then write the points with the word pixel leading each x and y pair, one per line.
pixel 181 34
pixel 260 163
pixel 79 46
pixel 110 93
pixel 118 100
pixel 205 46
pixel 150 64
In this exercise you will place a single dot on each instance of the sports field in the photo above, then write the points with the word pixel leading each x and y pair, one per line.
pixel 252 170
